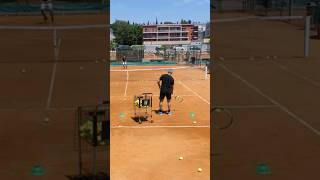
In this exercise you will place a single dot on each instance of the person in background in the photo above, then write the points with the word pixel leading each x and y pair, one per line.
pixel 47 5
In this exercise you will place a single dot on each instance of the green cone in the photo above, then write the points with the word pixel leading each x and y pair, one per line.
pixel 263 169
pixel 122 115
pixel 37 170
pixel 192 115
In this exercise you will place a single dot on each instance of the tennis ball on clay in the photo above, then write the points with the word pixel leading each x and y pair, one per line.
pixel 199 169
pixel 180 158
pixel 46 119
pixel 194 122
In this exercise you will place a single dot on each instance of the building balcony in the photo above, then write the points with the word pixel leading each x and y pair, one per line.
pixel 147 32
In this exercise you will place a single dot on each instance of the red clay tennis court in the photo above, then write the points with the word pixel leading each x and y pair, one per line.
pixel 260 74
pixel 152 150
pixel 39 94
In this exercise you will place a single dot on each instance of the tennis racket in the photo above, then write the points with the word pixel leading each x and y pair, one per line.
pixel 222 118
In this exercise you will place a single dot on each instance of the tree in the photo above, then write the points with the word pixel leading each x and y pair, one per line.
pixel 183 21
pixel 127 34
pixel 113 45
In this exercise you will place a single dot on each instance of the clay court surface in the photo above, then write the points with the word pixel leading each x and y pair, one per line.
pixel 152 150
pixel 35 86
pixel 275 101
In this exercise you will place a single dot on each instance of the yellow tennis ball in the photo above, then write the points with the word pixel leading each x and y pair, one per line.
pixel 199 170
pixel 136 103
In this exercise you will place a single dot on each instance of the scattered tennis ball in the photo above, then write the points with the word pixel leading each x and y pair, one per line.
pixel 96 61
pixel 81 68
pixel 194 122
pixel 199 170
pixel 180 158
pixel 218 110
pixel 23 70
pixel 46 119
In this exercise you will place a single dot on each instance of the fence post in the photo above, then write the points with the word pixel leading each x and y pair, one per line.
pixel 307 36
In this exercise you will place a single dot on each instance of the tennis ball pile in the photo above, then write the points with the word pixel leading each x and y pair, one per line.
pixel 136 103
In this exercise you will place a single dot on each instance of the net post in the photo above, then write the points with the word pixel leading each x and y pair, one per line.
pixel 290 7
pixel 307 36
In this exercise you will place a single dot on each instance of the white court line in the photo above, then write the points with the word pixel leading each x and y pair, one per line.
pixel 248 106
pixel 285 109
pixel 157 95
pixel 315 83
pixel 38 109
pixel 194 92
pixel 126 88
pixel 150 127
pixel 53 75
pixel 150 69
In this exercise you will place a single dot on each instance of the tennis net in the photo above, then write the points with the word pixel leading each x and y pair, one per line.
pixel 180 73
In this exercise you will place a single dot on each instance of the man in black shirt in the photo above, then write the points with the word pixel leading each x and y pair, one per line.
pixel 166 83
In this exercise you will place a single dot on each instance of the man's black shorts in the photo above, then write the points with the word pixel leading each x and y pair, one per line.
pixel 166 94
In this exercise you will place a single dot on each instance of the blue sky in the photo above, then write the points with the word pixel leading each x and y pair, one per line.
pixel 142 11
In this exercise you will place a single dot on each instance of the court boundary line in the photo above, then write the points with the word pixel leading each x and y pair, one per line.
pixel 157 95
pixel 53 75
pixel 60 27
pixel 247 106
pixel 150 69
pixel 38 109
pixel 299 75
pixel 127 82
pixel 282 107
pixel 157 126
pixel 194 93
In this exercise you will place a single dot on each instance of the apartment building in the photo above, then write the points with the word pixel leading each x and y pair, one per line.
pixel 169 34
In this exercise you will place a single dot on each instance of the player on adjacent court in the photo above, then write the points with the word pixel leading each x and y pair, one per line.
pixel 124 62
pixel 47 5
pixel 166 90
